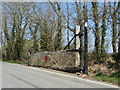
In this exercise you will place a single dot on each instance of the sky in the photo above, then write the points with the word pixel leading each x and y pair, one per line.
pixel 90 35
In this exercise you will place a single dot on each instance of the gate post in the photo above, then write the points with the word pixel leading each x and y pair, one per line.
pixel 77 62
pixel 85 50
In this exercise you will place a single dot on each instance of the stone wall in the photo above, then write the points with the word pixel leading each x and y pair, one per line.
pixel 59 59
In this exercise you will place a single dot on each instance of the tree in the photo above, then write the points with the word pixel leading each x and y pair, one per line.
pixel 34 36
pixel 58 37
pixel 68 22
pixel 104 28
pixel 22 17
pixel 119 40
pixel 96 32
pixel 8 47
pixel 45 24
pixel 17 21
pixel 113 13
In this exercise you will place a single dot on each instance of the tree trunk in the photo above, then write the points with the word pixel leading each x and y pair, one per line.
pixel 68 24
pixel 114 25
pixel 97 33
pixel 58 37
pixel 59 46
pixel 8 47
pixel 103 32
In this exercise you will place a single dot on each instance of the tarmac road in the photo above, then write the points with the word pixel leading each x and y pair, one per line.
pixel 18 76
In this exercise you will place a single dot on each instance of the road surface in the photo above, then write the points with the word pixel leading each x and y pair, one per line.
pixel 18 76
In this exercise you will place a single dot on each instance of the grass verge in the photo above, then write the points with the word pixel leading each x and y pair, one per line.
pixel 11 61
pixel 114 80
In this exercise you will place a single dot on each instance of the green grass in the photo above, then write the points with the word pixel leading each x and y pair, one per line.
pixel 115 79
pixel 11 61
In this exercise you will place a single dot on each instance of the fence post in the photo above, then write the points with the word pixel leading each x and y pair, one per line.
pixel 77 63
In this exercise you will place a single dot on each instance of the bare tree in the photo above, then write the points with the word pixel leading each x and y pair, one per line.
pixel 34 34
pixel 17 23
pixel 58 38
pixel 104 28
pixel 96 32
pixel 68 23
pixel 113 10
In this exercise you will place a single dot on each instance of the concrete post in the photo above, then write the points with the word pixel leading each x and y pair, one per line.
pixel 77 46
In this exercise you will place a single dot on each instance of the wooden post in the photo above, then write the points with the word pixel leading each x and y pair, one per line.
pixel 77 46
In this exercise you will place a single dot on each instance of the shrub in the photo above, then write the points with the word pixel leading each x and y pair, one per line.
pixel 116 74
pixel 99 73
pixel 116 57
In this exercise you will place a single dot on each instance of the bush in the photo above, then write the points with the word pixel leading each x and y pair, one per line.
pixel 116 57
pixel 99 73
pixel 116 74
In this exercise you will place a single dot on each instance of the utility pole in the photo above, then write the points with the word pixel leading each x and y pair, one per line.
pixel 85 50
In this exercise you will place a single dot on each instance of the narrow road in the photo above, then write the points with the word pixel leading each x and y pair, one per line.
pixel 17 76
